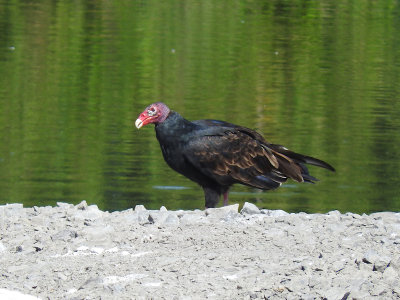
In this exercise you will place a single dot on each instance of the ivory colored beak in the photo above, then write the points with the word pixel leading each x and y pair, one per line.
pixel 138 123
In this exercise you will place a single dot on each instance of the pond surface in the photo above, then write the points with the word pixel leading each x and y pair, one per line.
pixel 320 77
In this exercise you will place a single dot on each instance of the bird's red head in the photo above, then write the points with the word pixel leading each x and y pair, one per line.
pixel 154 113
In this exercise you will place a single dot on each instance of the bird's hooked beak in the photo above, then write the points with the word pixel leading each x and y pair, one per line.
pixel 153 114
pixel 138 123
pixel 143 119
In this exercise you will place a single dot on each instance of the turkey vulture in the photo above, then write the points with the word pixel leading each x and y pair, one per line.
pixel 217 154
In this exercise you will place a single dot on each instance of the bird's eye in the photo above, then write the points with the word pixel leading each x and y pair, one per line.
pixel 151 112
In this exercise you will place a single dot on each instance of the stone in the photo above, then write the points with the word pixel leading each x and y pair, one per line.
pixel 64 235
pixel 6 294
pixel 2 247
pixel 14 206
pixel 64 205
pixel 193 218
pixel 335 213
pixel 250 209
pixel 144 217
pixel 98 236
pixel 390 274
pixel 221 212
pixel 370 257
pixel 139 208
pixel 82 206
pixel 171 220
pixel 382 263
pixel 274 213
pixel 69 253
pixel 231 216
pixel 379 262
pixel 335 293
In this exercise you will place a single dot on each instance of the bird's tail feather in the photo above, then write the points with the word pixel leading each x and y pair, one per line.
pixel 302 158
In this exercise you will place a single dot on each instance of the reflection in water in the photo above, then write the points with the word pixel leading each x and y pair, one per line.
pixel 321 78
pixel 162 187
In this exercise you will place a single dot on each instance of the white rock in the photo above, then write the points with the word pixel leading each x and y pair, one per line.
pixel 14 295
pixel 139 208
pixel 64 205
pixel 82 206
pixel 221 212
pixel 274 213
pixel 250 209
pixel 390 274
pixel 172 219
pixel 2 247
pixel 193 218
pixel 16 206
pixel 379 262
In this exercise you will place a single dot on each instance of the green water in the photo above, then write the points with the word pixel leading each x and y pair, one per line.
pixel 320 77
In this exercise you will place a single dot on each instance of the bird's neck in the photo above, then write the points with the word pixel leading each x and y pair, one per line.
pixel 174 125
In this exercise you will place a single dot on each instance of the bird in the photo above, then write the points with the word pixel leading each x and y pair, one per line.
pixel 217 154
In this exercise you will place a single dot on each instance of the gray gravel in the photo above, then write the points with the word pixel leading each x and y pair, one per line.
pixel 81 252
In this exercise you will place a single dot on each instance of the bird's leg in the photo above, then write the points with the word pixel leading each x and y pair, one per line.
pixel 226 198
pixel 211 196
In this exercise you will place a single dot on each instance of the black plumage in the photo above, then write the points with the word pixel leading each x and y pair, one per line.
pixel 217 154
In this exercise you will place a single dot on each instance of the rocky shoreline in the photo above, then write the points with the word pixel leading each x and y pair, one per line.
pixel 81 252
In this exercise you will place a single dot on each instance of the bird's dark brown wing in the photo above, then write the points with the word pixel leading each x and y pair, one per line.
pixel 233 156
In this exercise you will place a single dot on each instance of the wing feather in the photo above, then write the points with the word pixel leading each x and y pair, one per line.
pixel 229 154
pixel 236 157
